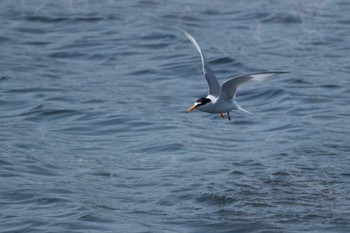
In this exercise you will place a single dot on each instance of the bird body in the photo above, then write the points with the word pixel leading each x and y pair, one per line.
pixel 216 105
pixel 220 98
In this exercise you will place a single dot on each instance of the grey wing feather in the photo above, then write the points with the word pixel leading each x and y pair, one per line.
pixel 229 87
pixel 213 83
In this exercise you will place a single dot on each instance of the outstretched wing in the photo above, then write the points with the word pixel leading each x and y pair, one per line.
pixel 229 87
pixel 213 83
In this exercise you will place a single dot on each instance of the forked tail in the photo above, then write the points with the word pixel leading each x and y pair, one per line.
pixel 242 109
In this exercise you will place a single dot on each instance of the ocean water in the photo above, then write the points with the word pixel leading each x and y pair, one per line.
pixel 94 134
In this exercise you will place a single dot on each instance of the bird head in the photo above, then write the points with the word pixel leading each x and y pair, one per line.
pixel 200 102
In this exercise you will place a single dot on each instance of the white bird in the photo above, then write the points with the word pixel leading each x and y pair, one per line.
pixel 220 98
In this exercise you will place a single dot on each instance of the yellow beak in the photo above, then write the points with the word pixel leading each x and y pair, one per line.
pixel 192 108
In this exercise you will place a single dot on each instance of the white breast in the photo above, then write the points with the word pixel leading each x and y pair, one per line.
pixel 217 107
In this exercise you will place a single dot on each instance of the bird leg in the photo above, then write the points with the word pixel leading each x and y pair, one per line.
pixel 228 116
pixel 222 115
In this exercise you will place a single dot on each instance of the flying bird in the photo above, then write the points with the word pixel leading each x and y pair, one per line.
pixel 221 98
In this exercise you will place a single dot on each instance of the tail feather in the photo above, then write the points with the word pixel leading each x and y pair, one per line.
pixel 242 109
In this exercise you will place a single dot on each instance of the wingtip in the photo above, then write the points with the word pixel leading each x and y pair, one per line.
pixel 276 72
pixel 188 35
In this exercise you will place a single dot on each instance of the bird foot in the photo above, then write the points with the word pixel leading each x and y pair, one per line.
pixel 228 116
pixel 223 116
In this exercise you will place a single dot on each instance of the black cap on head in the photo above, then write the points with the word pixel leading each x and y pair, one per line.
pixel 202 101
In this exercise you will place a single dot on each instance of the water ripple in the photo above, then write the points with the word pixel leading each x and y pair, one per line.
pixel 95 136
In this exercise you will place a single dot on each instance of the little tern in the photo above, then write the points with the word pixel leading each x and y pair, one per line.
pixel 221 98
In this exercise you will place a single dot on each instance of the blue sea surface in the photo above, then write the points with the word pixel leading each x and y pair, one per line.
pixel 94 134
